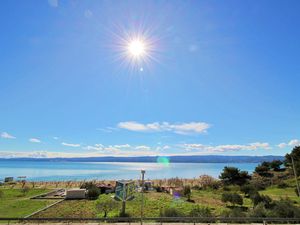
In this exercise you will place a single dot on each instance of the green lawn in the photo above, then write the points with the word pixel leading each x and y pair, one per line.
pixel 14 203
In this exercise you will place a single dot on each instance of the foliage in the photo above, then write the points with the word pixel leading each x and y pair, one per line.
pixel 233 198
pixel 105 204
pixel 284 208
pixel 206 181
pixel 262 170
pixel 234 212
pixel 258 211
pixel 275 165
pixel 232 175
pixel 93 193
pixel 198 211
pixel 25 190
pixel 256 198
pixel 296 156
pixel 88 185
pixel 187 192
pixel 248 189
pixel 171 212
pixel 282 185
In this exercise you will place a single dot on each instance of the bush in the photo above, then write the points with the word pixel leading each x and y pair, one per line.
pixel 247 189
pixel 171 212
pixel 187 192
pixel 258 211
pixel 256 198
pixel 282 185
pixel 25 190
pixel 93 193
pixel 88 185
pixel 198 211
pixel 106 204
pixel 158 188
pixel 233 198
pixel 285 209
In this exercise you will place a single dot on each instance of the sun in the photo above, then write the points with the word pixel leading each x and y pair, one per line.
pixel 136 48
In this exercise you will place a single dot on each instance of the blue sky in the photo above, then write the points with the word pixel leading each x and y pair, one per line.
pixel 218 78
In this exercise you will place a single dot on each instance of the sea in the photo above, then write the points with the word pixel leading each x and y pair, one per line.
pixel 66 171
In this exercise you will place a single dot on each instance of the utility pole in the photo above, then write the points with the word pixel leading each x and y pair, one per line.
pixel 296 177
pixel 142 199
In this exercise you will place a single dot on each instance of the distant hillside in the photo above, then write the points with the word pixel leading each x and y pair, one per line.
pixel 173 159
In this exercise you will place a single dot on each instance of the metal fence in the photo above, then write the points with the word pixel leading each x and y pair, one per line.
pixel 158 220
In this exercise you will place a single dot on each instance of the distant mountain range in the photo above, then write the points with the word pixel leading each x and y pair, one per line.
pixel 172 159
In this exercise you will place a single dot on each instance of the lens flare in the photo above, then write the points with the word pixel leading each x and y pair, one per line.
pixel 163 160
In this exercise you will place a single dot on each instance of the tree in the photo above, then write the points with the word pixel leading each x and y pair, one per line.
pixel 296 156
pixel 105 204
pixel 187 192
pixel 275 165
pixel 262 170
pixel 233 198
pixel 232 175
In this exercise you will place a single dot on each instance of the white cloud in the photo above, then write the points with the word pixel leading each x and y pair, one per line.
pixel 70 144
pixel 7 135
pixel 143 148
pixel 55 138
pixel 88 13
pixel 292 143
pixel 96 147
pixel 179 128
pixel 226 148
pixel 53 3
pixel 35 140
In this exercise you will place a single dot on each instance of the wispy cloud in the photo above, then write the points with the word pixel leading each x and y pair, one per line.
pixel 34 140
pixel 226 148
pixel 53 3
pixel 70 144
pixel 292 143
pixel 7 135
pixel 179 128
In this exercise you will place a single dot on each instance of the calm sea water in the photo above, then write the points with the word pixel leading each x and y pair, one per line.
pixel 58 171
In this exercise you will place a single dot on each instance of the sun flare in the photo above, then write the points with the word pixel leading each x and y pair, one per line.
pixel 136 48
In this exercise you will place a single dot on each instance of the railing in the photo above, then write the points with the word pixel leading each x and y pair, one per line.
pixel 159 220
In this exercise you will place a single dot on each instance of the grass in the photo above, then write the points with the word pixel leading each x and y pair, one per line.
pixel 14 203
pixel 154 203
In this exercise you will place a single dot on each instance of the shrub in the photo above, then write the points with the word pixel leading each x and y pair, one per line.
pixel 93 193
pixel 25 190
pixel 88 185
pixel 106 204
pixel 198 211
pixel 285 209
pixel 247 189
pixel 233 198
pixel 256 198
pixel 282 185
pixel 158 189
pixel 171 212
pixel 258 211
pixel 187 192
